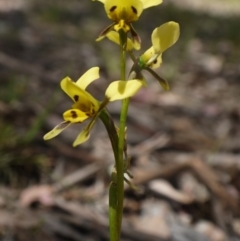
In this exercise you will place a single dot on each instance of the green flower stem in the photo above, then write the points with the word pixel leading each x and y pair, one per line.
pixel 116 189
pixel 121 140
pixel 113 211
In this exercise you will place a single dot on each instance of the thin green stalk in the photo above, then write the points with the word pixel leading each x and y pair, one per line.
pixel 116 189
pixel 121 140
pixel 113 211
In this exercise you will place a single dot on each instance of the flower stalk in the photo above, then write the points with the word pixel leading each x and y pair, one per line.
pixel 122 127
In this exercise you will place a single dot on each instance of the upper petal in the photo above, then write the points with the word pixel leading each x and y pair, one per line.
pixel 120 89
pixel 56 130
pixel 75 92
pixel 128 10
pixel 150 3
pixel 165 36
pixel 88 77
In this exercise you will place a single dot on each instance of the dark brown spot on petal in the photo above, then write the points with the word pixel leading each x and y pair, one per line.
pixel 76 97
pixel 113 8
pixel 74 114
pixel 155 61
pixel 134 9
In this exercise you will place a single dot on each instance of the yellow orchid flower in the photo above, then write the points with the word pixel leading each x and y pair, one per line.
pixel 86 106
pixel 123 13
pixel 163 37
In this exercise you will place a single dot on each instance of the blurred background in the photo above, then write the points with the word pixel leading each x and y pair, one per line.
pixel 184 143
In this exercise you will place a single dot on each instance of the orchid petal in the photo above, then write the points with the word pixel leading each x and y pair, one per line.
pixel 160 79
pixel 105 32
pixel 119 89
pixel 114 37
pixel 88 77
pixel 165 36
pixel 150 3
pixel 136 38
pixel 56 130
pixel 82 137
pixel 75 116
pixel 85 133
pixel 147 55
pixel 76 93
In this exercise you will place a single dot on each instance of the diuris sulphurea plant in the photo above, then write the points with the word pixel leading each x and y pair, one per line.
pixel 85 107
